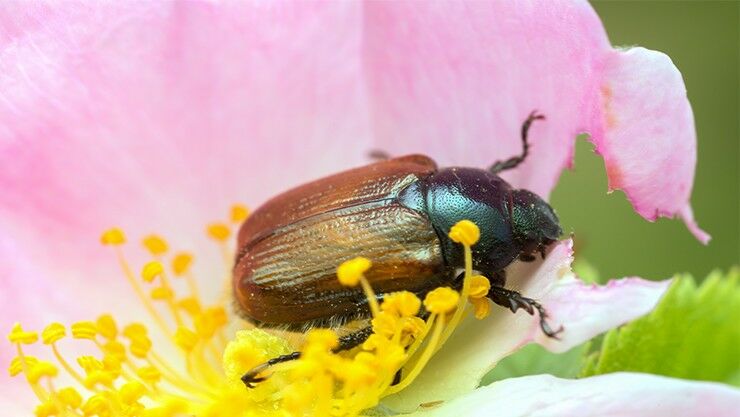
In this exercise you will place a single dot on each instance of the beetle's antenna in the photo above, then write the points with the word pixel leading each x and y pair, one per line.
pixel 513 162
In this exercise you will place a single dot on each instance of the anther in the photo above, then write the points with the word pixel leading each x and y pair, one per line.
pixel 479 286
pixel 186 339
pixel 465 232
pixel 441 300
pixel 155 245
pixel 41 369
pixel 181 263
pixel 113 236
pixel 239 213
pixel 16 365
pixel 219 232
pixel 107 327
pixel 70 397
pixel 18 335
pixel 84 330
pixel 350 272
pixel 52 333
pixel 151 270
pixel 402 303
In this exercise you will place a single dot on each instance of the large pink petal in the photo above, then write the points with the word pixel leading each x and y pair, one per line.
pixel 613 395
pixel 458 79
pixel 583 310
pixel 155 117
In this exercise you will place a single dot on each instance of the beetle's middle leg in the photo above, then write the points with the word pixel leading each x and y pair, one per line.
pixel 514 301
pixel 513 162
pixel 346 342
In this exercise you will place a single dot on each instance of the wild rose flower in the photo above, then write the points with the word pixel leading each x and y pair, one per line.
pixel 155 117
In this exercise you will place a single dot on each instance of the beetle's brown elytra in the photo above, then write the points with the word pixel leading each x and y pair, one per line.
pixel 396 212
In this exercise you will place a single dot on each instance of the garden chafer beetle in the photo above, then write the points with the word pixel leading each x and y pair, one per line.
pixel 396 212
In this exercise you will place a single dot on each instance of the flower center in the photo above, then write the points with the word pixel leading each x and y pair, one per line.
pixel 188 367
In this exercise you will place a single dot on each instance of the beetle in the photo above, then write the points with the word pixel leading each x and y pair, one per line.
pixel 396 212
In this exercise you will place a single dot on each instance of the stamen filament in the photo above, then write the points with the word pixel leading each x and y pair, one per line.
pixel 462 304
pixel 192 285
pixel 37 389
pixel 372 299
pixel 431 348
pixel 170 300
pixel 131 378
pixel 168 372
pixel 71 371
pixel 142 296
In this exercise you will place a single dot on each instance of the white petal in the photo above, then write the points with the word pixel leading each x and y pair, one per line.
pixel 584 311
pixel 613 395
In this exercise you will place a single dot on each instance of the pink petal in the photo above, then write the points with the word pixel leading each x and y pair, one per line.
pixel 161 114
pixel 613 395
pixel 458 79
pixel 156 117
pixel 647 136
pixel 584 311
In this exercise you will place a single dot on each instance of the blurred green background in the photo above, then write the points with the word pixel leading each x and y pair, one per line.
pixel 702 39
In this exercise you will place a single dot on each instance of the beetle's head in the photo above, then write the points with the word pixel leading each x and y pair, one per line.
pixel 534 223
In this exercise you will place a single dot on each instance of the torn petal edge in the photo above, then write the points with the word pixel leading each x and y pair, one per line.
pixel 642 108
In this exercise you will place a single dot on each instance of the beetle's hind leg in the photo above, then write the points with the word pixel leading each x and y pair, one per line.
pixel 513 162
pixel 346 342
pixel 514 301
pixel 251 378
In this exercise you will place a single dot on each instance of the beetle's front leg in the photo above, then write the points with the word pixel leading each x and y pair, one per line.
pixel 514 301
pixel 514 161
pixel 345 343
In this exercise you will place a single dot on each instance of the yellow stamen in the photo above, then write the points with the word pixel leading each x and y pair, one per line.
pixel 129 377
pixel 52 333
pixel 239 213
pixel 18 335
pixel 113 237
pixel 482 307
pixel 181 263
pixel 479 286
pixel 352 272
pixel 402 303
pixel 441 300
pixel 151 271
pixel 106 326
pixel 219 232
pixel 186 339
pixel 465 232
pixel 156 245
pixel 84 330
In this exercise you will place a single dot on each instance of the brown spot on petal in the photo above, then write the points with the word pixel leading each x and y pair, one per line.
pixel 606 101
pixel 430 404
pixel 614 175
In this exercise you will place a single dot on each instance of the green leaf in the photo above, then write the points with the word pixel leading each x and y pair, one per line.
pixel 534 359
pixel 693 333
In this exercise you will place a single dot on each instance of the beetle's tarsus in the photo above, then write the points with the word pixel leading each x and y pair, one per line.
pixel 514 301
pixel 345 343
pixel 251 378
pixel 513 162
pixel 397 378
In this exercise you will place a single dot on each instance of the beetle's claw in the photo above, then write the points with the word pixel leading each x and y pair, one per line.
pixel 534 115
pixel 547 330
pixel 514 301
pixel 250 379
